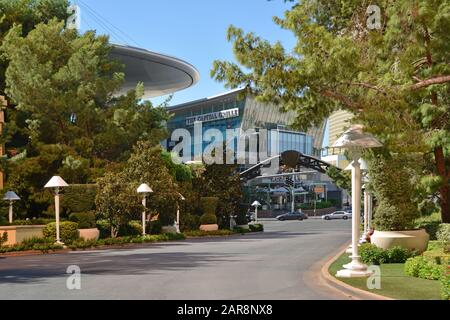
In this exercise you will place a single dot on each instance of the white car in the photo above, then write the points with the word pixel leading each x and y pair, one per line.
pixel 338 215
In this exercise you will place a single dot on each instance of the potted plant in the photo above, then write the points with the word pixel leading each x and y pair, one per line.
pixel 396 211
pixel 209 219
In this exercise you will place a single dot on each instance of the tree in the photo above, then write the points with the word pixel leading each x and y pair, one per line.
pixel 65 119
pixel 395 80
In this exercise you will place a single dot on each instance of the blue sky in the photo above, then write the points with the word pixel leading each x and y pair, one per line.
pixel 194 30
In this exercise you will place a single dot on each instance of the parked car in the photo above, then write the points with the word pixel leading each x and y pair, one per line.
pixel 292 216
pixel 338 215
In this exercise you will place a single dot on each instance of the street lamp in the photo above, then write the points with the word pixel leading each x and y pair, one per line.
pixel 145 190
pixel 355 140
pixel 178 212
pixel 11 196
pixel 256 204
pixel 56 183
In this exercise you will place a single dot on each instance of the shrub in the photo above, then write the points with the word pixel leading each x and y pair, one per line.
pixel 443 234
pixel 79 198
pixel 132 228
pixel 413 266
pixel 256 228
pixel 85 220
pixel 32 222
pixel 420 267
pixel 241 230
pixel 208 219
pixel 68 231
pixel 431 224
pixel 445 284
pixel 398 255
pixel 189 222
pixel 373 255
pixel 200 234
pixel 154 227
pixel 209 206
pixel 105 228
pixel 3 238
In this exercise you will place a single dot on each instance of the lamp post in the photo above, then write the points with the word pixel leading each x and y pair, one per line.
pixel 256 204
pixel 178 212
pixel 11 196
pixel 145 190
pixel 355 140
pixel 56 183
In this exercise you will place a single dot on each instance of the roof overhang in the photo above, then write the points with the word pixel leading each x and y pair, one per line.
pixel 160 74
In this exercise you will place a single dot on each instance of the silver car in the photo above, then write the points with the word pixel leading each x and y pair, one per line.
pixel 338 215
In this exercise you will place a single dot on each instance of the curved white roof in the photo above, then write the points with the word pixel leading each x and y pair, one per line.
pixel 161 74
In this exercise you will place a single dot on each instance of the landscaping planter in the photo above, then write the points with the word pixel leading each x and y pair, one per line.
pixel 18 234
pixel 169 229
pixel 89 234
pixel 416 240
pixel 209 227
pixel 244 227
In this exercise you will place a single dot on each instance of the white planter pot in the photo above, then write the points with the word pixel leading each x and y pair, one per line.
pixel 169 229
pixel 209 227
pixel 414 240
pixel 89 234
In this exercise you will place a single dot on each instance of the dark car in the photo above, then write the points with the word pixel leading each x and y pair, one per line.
pixel 292 216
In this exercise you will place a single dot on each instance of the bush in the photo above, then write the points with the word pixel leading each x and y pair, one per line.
pixel 85 220
pixel 373 255
pixel 445 284
pixel 443 234
pixel 398 255
pixel 132 228
pixel 32 222
pixel 209 205
pixel 79 198
pixel 200 234
pixel 154 227
pixel 241 230
pixel 420 267
pixel 208 219
pixel 431 224
pixel 68 231
pixel 105 228
pixel 189 222
pixel 256 228
pixel 3 238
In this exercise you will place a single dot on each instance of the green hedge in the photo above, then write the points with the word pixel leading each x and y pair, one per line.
pixel 79 198
pixel 68 232
pixel 85 220
pixel 200 234
pixel 256 228
pixel 443 236
pixel 445 283
pixel 373 255
pixel 208 219
pixel 209 205
pixel 31 222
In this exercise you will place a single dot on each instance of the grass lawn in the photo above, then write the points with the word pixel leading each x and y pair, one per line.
pixel 394 282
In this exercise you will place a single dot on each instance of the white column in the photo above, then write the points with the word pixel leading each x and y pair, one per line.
pixel 366 215
pixel 58 238
pixel 293 200
pixel 256 214
pixel 144 215
pixel 178 218
pixel 10 212
pixel 370 211
pixel 355 268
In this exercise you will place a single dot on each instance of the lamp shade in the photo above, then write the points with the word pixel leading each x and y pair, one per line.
pixel 356 138
pixel 56 182
pixel 363 164
pixel 11 196
pixel 144 188
pixel 256 204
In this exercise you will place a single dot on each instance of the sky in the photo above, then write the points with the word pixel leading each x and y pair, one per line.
pixel 192 30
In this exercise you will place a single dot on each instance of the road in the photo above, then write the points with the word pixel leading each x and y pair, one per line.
pixel 278 264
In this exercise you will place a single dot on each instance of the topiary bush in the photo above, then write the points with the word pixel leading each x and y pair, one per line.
pixel 256 228
pixel 68 231
pixel 132 228
pixel 85 220
pixel 189 222
pixel 398 255
pixel 391 182
pixel 209 206
pixel 79 198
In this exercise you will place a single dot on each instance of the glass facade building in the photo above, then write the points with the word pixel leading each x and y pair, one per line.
pixel 237 110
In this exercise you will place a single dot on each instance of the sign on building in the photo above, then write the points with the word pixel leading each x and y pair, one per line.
pixel 215 116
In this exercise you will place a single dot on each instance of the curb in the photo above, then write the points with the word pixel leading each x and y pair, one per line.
pixel 348 290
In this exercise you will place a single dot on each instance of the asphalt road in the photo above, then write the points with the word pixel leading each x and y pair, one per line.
pixel 281 263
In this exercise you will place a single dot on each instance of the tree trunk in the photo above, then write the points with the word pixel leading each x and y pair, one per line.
pixel 445 189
